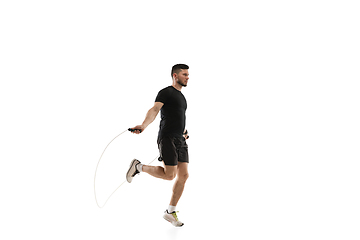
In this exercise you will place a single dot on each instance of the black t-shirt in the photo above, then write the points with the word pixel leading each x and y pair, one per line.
pixel 172 113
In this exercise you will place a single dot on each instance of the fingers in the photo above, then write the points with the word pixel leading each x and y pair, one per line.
pixel 186 134
pixel 137 130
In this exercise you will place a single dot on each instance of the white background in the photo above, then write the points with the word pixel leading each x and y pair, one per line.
pixel 273 115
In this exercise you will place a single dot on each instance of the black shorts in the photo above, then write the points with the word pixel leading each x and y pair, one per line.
pixel 173 150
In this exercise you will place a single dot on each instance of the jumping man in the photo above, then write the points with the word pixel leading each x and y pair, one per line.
pixel 171 139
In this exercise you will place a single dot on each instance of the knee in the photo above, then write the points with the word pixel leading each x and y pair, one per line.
pixel 183 177
pixel 170 176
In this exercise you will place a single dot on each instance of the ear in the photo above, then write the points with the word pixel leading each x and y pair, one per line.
pixel 174 75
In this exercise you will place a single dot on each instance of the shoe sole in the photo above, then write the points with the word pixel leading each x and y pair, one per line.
pixel 132 170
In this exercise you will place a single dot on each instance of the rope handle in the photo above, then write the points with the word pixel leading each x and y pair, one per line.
pixel 133 130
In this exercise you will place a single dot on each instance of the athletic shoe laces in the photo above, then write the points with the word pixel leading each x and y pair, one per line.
pixel 175 216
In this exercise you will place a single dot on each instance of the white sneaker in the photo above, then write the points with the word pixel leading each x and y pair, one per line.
pixel 132 170
pixel 173 219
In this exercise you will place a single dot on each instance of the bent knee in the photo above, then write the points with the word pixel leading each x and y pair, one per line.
pixel 170 176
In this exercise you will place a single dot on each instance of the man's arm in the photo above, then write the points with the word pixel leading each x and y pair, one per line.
pixel 150 117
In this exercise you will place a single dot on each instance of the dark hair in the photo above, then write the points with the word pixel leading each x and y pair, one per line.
pixel 177 68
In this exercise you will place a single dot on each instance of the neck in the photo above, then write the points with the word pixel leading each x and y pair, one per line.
pixel 177 86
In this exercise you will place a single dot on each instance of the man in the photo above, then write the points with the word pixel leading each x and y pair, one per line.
pixel 171 139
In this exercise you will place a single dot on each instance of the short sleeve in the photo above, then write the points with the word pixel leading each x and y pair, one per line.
pixel 162 96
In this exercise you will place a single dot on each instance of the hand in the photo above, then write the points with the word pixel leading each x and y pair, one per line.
pixel 186 134
pixel 138 128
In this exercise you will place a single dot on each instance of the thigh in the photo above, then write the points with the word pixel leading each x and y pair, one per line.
pixel 168 152
pixel 183 155
pixel 183 170
pixel 170 170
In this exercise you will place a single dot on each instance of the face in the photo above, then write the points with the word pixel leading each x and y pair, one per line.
pixel 183 77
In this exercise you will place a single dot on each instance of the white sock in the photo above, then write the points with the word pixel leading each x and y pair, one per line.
pixel 139 167
pixel 171 209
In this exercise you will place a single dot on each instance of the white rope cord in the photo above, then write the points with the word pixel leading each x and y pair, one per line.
pixel 97 169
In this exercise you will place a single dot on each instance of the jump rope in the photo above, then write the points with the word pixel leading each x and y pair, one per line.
pixel 131 130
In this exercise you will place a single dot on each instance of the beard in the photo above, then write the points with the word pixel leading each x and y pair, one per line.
pixel 184 84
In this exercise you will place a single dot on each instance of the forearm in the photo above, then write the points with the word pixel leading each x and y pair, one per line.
pixel 150 117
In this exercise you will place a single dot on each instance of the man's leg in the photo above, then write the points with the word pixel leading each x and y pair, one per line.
pixel 182 176
pixel 169 156
pixel 166 173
